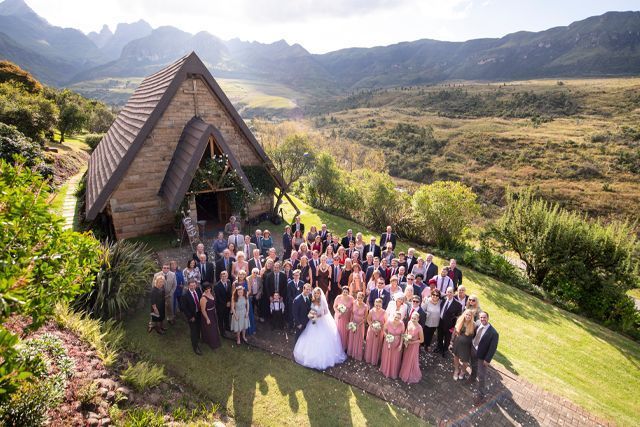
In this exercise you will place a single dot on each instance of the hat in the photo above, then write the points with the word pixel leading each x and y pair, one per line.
pixel 433 282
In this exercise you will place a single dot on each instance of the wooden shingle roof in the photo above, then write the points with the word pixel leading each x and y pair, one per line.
pixel 192 145
pixel 111 159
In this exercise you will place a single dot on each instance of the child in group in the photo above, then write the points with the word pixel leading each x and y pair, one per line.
pixel 239 314
pixel 277 312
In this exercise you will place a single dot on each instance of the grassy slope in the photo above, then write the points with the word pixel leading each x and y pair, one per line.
pixel 258 388
pixel 559 351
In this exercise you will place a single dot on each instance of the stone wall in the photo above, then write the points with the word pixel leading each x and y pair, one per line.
pixel 136 207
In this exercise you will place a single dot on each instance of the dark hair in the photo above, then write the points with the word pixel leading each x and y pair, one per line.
pixel 189 263
pixel 420 276
pixel 206 286
pixel 484 313
pixel 192 280
pixel 436 292
pixel 345 288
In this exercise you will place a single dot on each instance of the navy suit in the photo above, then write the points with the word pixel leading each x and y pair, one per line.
pixel 386 297
pixel 300 312
pixel 392 239
pixel 375 249
pixel 293 290
pixel 287 244
pixel 369 273
pixel 191 310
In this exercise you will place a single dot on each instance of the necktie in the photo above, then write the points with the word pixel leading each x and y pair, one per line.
pixel 195 299
pixel 411 314
pixel 277 277
pixel 226 264
pixel 478 337
pixel 259 264
pixel 379 293
pixel 444 309
pixel 204 269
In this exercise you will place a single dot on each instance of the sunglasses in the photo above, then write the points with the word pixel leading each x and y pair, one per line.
pixel 472 300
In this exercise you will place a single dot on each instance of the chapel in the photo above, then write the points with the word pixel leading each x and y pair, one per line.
pixel 139 179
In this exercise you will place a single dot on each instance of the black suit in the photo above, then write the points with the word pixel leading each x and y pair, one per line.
pixel 369 273
pixel 294 228
pixel 448 319
pixel 206 272
pixel 432 270
pixel 392 239
pixel 195 256
pixel 253 264
pixel 456 276
pixel 421 312
pixel 270 281
pixel 375 249
pixel 410 263
pixel 314 271
pixel 191 310
pixel 345 241
pixel 386 297
pixel 220 267
pixel 300 313
pixel 223 296
pixel 287 245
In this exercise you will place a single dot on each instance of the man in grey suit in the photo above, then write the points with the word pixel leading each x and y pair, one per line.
pixel 483 348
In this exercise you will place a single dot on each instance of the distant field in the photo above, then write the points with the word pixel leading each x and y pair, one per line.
pixel 249 97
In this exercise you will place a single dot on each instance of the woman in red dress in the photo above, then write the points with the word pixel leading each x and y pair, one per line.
pixel 392 351
pixel 410 371
pixel 342 307
pixel 355 346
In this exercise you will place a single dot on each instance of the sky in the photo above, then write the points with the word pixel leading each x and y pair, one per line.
pixel 326 25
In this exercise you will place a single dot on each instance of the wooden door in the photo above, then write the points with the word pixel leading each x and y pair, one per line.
pixel 224 207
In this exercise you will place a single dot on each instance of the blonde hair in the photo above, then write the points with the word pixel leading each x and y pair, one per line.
pixel 469 326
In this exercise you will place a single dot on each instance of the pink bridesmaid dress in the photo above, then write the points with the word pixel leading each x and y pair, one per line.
pixel 410 371
pixel 356 339
pixel 392 353
pixel 343 319
pixel 374 339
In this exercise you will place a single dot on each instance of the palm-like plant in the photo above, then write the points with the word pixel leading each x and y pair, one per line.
pixel 123 277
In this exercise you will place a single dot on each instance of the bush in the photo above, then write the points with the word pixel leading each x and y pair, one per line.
pixel 143 417
pixel 124 275
pixel 14 144
pixel 143 375
pixel 51 368
pixel 11 72
pixel 32 114
pixel 585 266
pixel 93 139
pixel 443 211
pixel 105 337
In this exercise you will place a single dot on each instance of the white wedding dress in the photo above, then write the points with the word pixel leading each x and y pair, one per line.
pixel 319 345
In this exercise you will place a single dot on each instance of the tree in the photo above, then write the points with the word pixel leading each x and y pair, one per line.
pixel 292 159
pixel 11 72
pixel 31 114
pixel 100 117
pixel 443 210
pixel 324 182
pixel 40 263
pixel 73 116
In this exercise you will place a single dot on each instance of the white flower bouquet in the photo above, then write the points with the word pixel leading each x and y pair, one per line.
pixel 406 338
pixel 352 326
pixel 342 308
pixel 389 338
pixel 377 326
pixel 312 316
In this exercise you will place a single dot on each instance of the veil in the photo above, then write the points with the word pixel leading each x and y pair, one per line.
pixel 324 306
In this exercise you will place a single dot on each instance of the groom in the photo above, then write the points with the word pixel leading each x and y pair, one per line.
pixel 301 308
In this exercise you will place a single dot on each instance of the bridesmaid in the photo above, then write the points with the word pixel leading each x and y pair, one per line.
pixel 410 371
pixel 342 319
pixel 358 316
pixel 374 338
pixel 209 319
pixel 392 352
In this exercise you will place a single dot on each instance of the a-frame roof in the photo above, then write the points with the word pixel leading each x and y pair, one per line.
pixel 191 147
pixel 111 159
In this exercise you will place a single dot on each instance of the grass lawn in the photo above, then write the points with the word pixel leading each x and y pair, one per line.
pixel 559 351
pixel 75 142
pixel 258 388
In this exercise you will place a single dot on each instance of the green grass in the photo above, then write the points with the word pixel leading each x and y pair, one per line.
pixel 58 200
pixel 157 241
pixel 559 351
pixel 143 375
pixel 258 388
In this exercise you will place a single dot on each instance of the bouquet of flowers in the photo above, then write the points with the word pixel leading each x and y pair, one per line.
pixel 352 326
pixel 406 338
pixel 376 326
pixel 389 338
pixel 342 308
pixel 312 316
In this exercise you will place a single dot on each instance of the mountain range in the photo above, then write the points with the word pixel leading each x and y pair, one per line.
pixel 603 45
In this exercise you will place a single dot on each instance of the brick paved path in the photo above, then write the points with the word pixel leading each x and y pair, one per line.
pixel 440 400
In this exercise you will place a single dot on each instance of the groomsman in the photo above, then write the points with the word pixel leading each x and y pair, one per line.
pixel 415 308
pixel 376 266
pixel 389 236
pixel 223 292
pixel 373 248
pixel 380 292
pixel 314 262
pixel 294 288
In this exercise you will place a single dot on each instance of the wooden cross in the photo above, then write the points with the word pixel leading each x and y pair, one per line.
pixel 195 95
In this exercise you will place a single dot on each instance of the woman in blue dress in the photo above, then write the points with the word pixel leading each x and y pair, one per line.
pixel 267 243
pixel 242 281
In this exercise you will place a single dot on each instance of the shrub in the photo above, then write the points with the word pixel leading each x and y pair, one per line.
pixel 105 337
pixel 123 276
pixel 32 114
pixel 143 417
pixel 143 375
pixel 87 394
pixel 51 368
pixel 13 143
pixel 11 72
pixel 443 211
pixel 586 266
pixel 93 139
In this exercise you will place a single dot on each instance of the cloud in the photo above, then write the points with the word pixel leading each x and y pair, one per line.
pixel 302 10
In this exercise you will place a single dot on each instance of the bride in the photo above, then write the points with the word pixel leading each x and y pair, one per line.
pixel 319 345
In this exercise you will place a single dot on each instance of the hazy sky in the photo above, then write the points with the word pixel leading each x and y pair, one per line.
pixel 325 25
